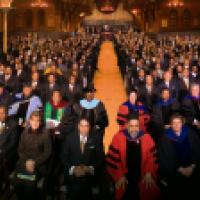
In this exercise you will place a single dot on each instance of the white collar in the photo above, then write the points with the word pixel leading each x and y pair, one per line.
pixel 83 138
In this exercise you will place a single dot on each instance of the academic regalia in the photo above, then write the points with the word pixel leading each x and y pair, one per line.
pixel 24 106
pixel 162 112
pixel 94 110
pixel 55 112
pixel 117 164
pixel 126 109
pixel 176 151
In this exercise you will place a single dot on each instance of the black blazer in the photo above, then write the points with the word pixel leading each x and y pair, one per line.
pixel 173 88
pixel 148 99
pixel 72 96
pixel 168 160
pixel 93 155
pixel 8 139
pixel 12 85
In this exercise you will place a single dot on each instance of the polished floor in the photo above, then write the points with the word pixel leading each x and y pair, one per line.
pixel 110 87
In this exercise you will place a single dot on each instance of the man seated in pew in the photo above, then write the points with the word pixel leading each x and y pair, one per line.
pixel 8 144
pixel 83 159
pixel 191 107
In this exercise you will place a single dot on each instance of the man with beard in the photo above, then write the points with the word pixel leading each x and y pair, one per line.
pixel 131 162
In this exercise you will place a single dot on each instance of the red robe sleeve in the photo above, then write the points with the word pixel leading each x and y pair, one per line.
pixel 116 165
pixel 149 164
pixel 114 160
pixel 122 116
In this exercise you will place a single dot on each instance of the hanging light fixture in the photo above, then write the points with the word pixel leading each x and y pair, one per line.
pixel 40 4
pixel 107 6
pixel 175 3
pixel 135 11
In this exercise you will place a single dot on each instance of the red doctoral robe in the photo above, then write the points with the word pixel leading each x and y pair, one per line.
pixel 117 167
pixel 122 116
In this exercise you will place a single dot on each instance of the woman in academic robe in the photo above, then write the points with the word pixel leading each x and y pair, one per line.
pixel 132 163
pixel 55 109
pixel 179 157
pixel 132 106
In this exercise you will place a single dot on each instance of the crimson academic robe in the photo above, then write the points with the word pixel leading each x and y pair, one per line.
pixel 117 165
pixel 124 111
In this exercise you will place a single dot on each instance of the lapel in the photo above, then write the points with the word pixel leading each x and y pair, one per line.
pixel 4 129
pixel 88 144
pixel 77 142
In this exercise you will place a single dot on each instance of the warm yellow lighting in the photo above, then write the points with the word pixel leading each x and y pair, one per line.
pixel 82 14
pixel 175 3
pixel 135 11
pixel 40 4
pixel 5 3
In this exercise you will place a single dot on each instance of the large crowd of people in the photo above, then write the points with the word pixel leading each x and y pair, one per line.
pixel 52 126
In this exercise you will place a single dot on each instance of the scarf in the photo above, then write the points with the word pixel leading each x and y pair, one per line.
pixel 60 110
pixel 181 145
pixel 134 107
pixel 169 102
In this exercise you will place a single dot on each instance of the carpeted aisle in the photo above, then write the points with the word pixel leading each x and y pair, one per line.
pixel 109 85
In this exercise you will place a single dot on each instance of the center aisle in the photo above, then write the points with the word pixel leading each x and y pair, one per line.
pixel 110 88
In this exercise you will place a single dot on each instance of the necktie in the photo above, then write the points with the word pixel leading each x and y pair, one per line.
pixel 2 127
pixel 82 146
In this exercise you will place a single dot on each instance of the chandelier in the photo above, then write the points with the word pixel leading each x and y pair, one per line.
pixel 106 6
pixel 175 3
pixel 39 4
pixel 5 3
pixel 107 9
pixel 135 11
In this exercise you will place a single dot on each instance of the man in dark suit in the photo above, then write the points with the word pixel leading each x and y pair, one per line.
pixel 170 83
pixel 83 159
pixel 162 111
pixel 148 93
pixel 191 107
pixel 36 83
pixel 72 91
pixel 21 74
pixel 185 82
pixel 10 81
pixel 49 87
pixel 5 97
pixel 8 143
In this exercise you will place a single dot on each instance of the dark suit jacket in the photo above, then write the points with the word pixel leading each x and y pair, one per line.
pixel 93 155
pixel 148 99
pixel 8 138
pixel 157 115
pixel 5 98
pixel 12 85
pixel 23 77
pixel 169 162
pixel 183 90
pixel 173 88
pixel 74 95
pixel 47 91
pixel 189 110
